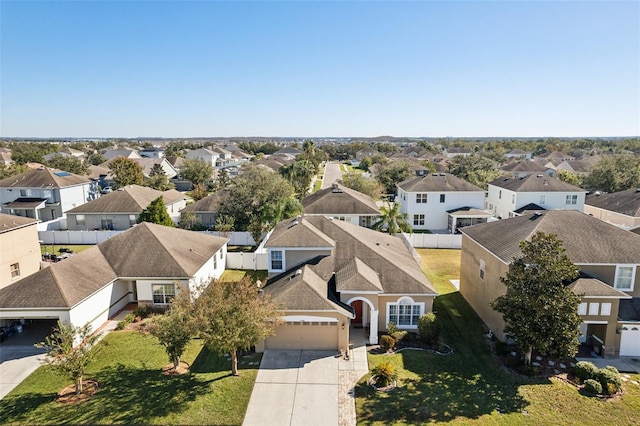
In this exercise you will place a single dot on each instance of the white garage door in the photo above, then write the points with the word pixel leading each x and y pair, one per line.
pixel 630 340
pixel 305 335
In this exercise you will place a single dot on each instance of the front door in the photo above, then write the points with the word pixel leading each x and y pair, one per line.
pixel 357 307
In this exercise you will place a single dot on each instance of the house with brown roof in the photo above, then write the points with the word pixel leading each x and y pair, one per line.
pixel 120 210
pixel 520 169
pixel 206 209
pixel 330 275
pixel 342 203
pixel 506 195
pixel 45 194
pixel 145 265
pixel 620 208
pixel 441 202
pixel 608 258
pixel 20 248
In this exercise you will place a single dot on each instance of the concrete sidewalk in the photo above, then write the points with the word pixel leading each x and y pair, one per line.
pixel 624 364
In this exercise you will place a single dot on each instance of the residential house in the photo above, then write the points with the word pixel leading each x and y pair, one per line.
pixel 518 153
pixel 342 203
pixel 553 156
pixel 110 154
pixel 148 164
pixel 152 152
pixel 203 154
pixel 506 195
pixel 20 248
pixel 146 264
pixel 365 152
pixel 330 276
pixel 454 152
pixel 441 202
pixel 225 158
pixel 289 152
pixel 65 152
pixel 577 167
pixel 618 208
pixel 206 209
pixel 520 169
pixel 45 194
pixel 607 256
pixel 120 210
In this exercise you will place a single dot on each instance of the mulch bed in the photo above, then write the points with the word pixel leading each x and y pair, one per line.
pixel 168 369
pixel 68 394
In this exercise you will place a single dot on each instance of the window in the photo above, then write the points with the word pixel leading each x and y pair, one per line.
pixel 571 199
pixel 593 308
pixel 625 274
pixel 513 199
pixel 405 313
pixel 15 270
pixel 482 266
pixel 605 309
pixel 106 224
pixel 500 195
pixel 215 262
pixel 25 193
pixel 276 260
pixel 418 220
pixel 132 219
pixel 542 199
pixel 163 294
pixel 582 309
pixel 80 220
pixel 421 198
pixel 221 253
pixel 442 196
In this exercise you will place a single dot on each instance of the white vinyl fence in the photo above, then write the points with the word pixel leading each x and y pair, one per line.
pixel 446 241
pixel 95 237
pixel 243 260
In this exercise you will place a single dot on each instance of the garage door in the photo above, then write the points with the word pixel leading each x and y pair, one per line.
pixel 305 335
pixel 630 340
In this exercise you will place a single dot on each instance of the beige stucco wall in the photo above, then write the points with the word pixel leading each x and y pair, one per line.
pixel 606 274
pixel 294 258
pixel 382 307
pixel 611 339
pixel 612 217
pixel 19 246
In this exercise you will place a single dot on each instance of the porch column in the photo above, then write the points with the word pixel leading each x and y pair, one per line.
pixel 373 328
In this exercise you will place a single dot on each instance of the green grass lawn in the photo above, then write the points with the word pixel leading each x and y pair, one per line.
pixel 317 186
pixel 133 389
pixel 48 248
pixel 238 274
pixel 469 387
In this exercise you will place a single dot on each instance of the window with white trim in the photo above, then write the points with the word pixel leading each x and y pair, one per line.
pixel 593 308
pixel 605 309
pixel 15 270
pixel 513 199
pixel 418 220
pixel 442 197
pixel 215 262
pixel 482 266
pixel 421 198
pixel 163 294
pixel 625 275
pixel 571 199
pixel 132 219
pixel 542 199
pixel 405 313
pixel 276 260
pixel 582 309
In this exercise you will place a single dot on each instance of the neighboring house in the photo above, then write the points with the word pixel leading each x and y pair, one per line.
pixel 45 194
pixel 151 152
pixel 441 202
pixel 203 154
pixel 518 153
pixel 225 158
pixel 274 162
pixel 365 152
pixel 577 167
pixel 618 208
pixel 342 203
pixel 329 275
pixel 506 195
pixel 148 163
pixel 206 209
pixel 120 210
pixel 289 152
pixel 608 258
pixel 454 152
pixel 553 156
pixel 145 265
pixel 526 168
pixel 65 152
pixel 20 248
pixel 126 153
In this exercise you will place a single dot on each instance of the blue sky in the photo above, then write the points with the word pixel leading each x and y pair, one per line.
pixel 207 68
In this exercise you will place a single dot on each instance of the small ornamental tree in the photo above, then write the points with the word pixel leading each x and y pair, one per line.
pixel 233 316
pixel 156 212
pixel 126 172
pixel 69 350
pixel 540 310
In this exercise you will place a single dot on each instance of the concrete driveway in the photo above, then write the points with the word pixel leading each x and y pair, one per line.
pixel 295 387
pixel 332 173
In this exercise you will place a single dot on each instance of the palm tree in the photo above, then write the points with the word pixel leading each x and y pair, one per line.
pixel 392 220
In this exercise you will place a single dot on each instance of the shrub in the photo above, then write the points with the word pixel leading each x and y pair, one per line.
pixel 392 328
pixel 502 348
pixel 384 374
pixel 142 312
pixel 399 336
pixel 612 368
pixel 609 380
pixel 585 370
pixel 512 361
pixel 387 342
pixel 592 387
pixel 428 327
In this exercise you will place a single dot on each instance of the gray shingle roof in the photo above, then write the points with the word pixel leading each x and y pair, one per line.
pixel 358 276
pixel 593 287
pixel 587 240
pixel 130 199
pixel 43 178
pixel 9 222
pixel 438 182
pixel 623 202
pixel 298 233
pixel 535 183
pixel 524 166
pixel 210 203
pixel 339 200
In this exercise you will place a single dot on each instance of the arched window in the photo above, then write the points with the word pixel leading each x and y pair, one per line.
pixel 405 312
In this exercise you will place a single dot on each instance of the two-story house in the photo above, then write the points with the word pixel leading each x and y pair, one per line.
pixel 342 203
pixel 20 248
pixel 620 208
pixel 505 196
pixel 608 258
pixel 45 194
pixel 203 154
pixel 441 202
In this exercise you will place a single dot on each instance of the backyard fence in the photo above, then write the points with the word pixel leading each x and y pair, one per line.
pixel 247 260
pixel 443 241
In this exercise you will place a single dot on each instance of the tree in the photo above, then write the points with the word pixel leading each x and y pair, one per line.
pixel 393 173
pixel 539 308
pixel 96 158
pixel 69 350
pixel 156 212
pixel 571 178
pixel 225 225
pixel 392 220
pixel 234 316
pixel 189 220
pixel 69 164
pixel 159 182
pixel 299 174
pixel 358 182
pixel 223 180
pixel 614 173
pixel 126 172
pixel 198 192
pixel 474 169
pixel 197 171
pixel 12 170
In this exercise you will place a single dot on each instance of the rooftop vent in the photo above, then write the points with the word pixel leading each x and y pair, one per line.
pixel 298 272
pixel 434 174
pixel 443 174
pixel 539 175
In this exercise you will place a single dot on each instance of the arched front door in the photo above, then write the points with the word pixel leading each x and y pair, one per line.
pixel 357 307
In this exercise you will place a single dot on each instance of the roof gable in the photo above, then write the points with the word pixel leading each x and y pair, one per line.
pixel 438 182
pixel 339 200
pixel 43 177
pixel 298 232
pixel 535 183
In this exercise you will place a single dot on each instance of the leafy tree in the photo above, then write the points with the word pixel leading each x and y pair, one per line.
pixel 299 174
pixel 540 310
pixel 12 169
pixel 234 316
pixel 225 225
pixel 614 173
pixel 474 169
pixel 394 173
pixel 157 169
pixel 69 350
pixel 197 171
pixel 159 182
pixel 567 176
pixel 365 163
pixel 23 153
pixel 96 158
pixel 358 182
pixel 69 164
pixel 156 212
pixel 392 220
pixel 189 220
pixel 198 192
pixel 126 172
pixel 223 180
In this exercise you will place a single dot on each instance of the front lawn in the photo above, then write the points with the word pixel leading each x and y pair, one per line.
pixel 469 387
pixel 235 275
pixel 133 389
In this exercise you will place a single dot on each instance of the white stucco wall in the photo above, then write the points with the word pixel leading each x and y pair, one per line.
pixel 501 206
pixel 436 216
pixel 94 309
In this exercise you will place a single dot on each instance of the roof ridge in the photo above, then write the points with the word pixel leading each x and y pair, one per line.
pixel 58 286
pixel 150 229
